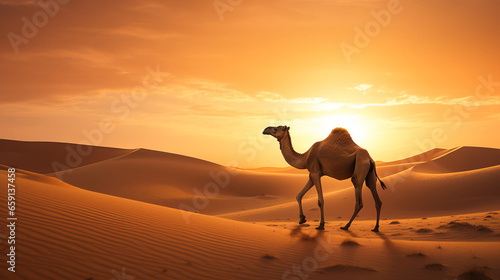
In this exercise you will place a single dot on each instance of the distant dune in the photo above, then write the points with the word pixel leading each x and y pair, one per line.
pixel 169 180
pixel 119 209
pixel 423 157
pixel 414 191
pixel 40 156
pixel 461 159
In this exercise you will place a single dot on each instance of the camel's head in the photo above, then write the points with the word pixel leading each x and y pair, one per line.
pixel 277 131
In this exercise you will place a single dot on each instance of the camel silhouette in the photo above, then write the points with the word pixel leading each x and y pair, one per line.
pixel 338 157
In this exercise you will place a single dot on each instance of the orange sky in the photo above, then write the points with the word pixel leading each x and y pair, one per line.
pixel 225 77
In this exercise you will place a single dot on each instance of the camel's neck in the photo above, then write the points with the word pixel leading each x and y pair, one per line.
pixel 291 156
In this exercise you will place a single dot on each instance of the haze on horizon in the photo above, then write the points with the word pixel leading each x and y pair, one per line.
pixel 429 77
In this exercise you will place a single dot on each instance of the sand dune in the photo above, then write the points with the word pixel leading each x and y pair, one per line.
pixel 413 192
pixel 76 234
pixel 461 159
pixel 72 233
pixel 41 157
pixel 157 177
pixel 69 233
pixel 169 180
pixel 118 209
pixel 410 194
pixel 286 170
pixel 418 158
pixel 453 181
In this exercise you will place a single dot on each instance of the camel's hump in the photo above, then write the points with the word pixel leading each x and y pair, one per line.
pixel 340 130
pixel 340 134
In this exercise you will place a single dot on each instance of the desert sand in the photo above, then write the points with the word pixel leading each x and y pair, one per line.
pixel 120 214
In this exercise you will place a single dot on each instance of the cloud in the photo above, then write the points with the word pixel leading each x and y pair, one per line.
pixel 443 100
pixel 362 87
pixel 406 99
pixel 308 100
pixel 270 96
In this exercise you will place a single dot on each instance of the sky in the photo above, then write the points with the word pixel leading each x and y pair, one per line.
pixel 204 78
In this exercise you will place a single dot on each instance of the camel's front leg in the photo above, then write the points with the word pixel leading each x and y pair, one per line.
pixel 316 178
pixel 299 200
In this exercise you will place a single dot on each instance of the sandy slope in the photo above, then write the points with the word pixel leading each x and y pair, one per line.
pixel 118 209
pixel 418 158
pixel 465 183
pixel 169 180
pixel 410 194
pixel 68 233
pixel 286 170
pixel 461 159
pixel 48 157
pixel 414 192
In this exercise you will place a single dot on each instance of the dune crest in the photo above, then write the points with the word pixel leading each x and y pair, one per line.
pixel 461 159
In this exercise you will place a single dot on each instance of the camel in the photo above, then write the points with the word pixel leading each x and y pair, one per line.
pixel 336 156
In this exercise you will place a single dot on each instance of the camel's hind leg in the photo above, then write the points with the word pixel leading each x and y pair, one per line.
pixel 358 178
pixel 371 183
pixel 357 207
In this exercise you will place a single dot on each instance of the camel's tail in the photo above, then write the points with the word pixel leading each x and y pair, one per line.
pixel 375 170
